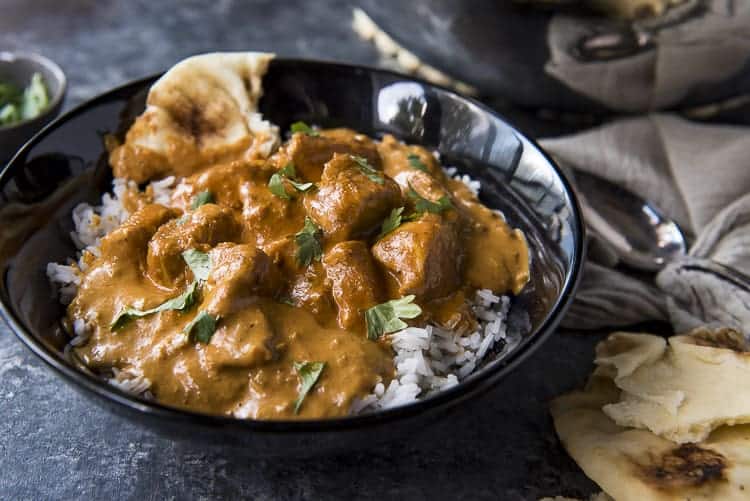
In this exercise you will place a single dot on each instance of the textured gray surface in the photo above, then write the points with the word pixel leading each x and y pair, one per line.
pixel 55 445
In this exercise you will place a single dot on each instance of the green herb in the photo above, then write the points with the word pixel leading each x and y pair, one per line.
pixel 416 162
pixel 17 105
pixel 9 94
pixel 308 374
pixel 368 170
pixel 202 198
pixel 286 300
pixel 301 186
pixel 392 222
pixel 9 114
pixel 181 302
pixel 308 243
pixel 386 318
pixel 422 205
pixel 201 328
pixel 304 128
pixel 35 98
pixel 198 262
pixel 276 183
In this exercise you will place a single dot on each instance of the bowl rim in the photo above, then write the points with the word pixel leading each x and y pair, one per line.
pixel 472 387
pixel 49 64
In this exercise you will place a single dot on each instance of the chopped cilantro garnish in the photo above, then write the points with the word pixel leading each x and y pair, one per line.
pixel 181 302
pixel 304 129
pixel 308 374
pixel 276 185
pixel 368 170
pixel 386 317
pixel 392 222
pixel 422 205
pixel 198 262
pixel 416 162
pixel 202 327
pixel 308 243
pixel 35 98
pixel 288 173
pixel 301 186
pixel 17 105
pixel 202 198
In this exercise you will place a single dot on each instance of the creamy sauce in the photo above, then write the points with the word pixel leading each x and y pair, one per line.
pixel 272 310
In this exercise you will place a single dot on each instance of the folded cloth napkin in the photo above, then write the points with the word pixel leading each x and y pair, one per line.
pixel 698 175
pixel 698 50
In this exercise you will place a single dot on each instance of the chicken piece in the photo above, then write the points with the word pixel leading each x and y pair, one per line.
pixel 200 229
pixel 310 153
pixel 243 186
pixel 395 156
pixel 422 256
pixel 348 203
pixel 355 284
pixel 312 292
pixel 128 241
pixel 244 340
pixel 240 273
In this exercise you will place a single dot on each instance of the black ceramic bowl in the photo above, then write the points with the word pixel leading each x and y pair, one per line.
pixel 65 164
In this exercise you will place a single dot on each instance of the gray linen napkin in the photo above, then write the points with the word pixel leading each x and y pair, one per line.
pixel 699 175
pixel 697 45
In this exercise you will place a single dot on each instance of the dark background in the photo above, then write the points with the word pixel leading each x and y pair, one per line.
pixel 55 444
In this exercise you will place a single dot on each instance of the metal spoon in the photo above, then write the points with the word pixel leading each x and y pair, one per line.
pixel 641 235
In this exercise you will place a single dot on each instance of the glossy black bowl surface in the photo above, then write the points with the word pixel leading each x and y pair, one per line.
pixel 66 164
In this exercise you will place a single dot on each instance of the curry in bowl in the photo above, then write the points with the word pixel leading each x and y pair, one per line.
pixel 234 272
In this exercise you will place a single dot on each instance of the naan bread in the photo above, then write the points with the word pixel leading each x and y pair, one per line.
pixel 681 389
pixel 202 111
pixel 636 465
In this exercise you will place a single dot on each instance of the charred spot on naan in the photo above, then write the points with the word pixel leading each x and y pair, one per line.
pixel 725 338
pixel 687 465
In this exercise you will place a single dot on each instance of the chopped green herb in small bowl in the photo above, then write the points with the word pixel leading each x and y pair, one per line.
pixel 31 94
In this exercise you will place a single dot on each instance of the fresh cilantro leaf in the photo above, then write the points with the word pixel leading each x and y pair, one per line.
pixel 202 198
pixel 386 317
pixel 35 98
pixel 301 186
pixel 308 374
pixel 202 327
pixel 308 243
pixel 304 128
pixel 288 170
pixel 392 222
pixel 198 262
pixel 9 114
pixel 422 205
pixel 416 162
pixel 368 170
pixel 181 302
pixel 276 185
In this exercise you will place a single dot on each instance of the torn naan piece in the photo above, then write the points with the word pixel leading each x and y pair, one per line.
pixel 636 465
pixel 201 112
pixel 680 389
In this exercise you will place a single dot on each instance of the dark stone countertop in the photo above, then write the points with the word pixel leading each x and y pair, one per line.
pixel 55 445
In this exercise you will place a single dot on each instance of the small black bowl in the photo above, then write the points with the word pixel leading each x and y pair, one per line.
pixel 66 164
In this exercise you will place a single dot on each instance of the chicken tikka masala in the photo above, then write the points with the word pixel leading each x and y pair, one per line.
pixel 270 285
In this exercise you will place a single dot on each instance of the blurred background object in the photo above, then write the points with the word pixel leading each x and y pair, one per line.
pixel 596 58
